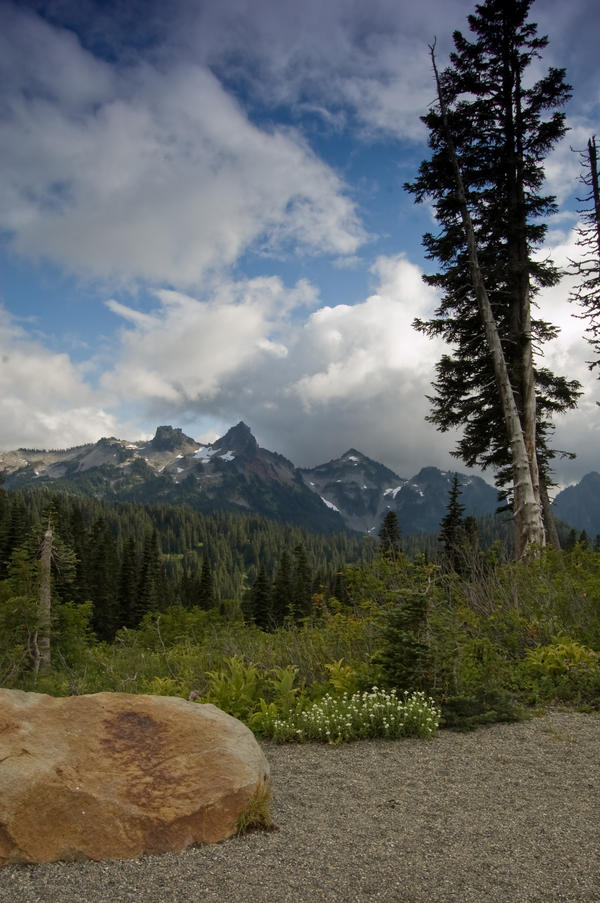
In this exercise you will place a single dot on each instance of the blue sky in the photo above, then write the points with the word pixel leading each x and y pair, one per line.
pixel 202 220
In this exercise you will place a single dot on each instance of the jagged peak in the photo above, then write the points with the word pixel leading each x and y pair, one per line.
pixel 168 438
pixel 239 439
pixel 353 453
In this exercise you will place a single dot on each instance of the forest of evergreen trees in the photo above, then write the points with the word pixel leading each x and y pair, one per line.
pixel 129 558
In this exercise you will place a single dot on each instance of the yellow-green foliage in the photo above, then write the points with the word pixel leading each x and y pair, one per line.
pixel 343 678
pixel 565 670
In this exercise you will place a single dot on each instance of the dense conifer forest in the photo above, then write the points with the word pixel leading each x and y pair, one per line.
pixel 128 558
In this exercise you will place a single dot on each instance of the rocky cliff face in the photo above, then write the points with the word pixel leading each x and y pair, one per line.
pixel 233 474
pixel 358 488
pixel 363 491
pixel 579 506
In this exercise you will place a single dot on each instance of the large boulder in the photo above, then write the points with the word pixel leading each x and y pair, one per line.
pixel 113 776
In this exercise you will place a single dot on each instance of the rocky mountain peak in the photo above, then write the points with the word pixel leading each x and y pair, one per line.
pixel 352 455
pixel 238 440
pixel 168 438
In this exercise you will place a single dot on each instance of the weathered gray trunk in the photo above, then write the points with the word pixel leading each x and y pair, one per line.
pixel 519 252
pixel 42 651
pixel 529 525
pixel 549 522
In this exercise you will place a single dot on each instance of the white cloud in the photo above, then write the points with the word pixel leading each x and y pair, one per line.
pixel 150 173
pixel 344 376
pixel 567 355
pixel 44 399
pixel 359 353
pixel 309 385
pixel 187 350
pixel 341 61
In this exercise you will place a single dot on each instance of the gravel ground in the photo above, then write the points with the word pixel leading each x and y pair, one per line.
pixel 509 813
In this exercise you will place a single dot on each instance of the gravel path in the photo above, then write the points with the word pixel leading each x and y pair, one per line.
pixel 509 813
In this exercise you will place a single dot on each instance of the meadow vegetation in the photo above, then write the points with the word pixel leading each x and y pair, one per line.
pixel 412 645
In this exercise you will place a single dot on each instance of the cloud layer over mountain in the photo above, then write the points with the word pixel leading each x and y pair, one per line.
pixel 202 220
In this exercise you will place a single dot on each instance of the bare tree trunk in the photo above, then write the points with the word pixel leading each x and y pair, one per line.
pixel 522 299
pixel 43 659
pixel 593 158
pixel 529 526
pixel 549 522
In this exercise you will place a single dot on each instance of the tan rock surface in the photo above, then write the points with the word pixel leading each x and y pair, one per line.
pixel 113 776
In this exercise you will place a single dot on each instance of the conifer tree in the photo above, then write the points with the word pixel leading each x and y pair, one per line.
pixel 389 536
pixel 101 572
pixel 128 585
pixel 339 588
pixel 405 656
pixel 206 589
pixel 260 600
pixel 17 524
pixel 283 589
pixel 42 649
pixel 148 594
pixel 302 590
pixel 452 527
pixel 489 136
pixel 54 558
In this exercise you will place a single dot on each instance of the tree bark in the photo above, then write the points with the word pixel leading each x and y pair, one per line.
pixel 43 659
pixel 549 521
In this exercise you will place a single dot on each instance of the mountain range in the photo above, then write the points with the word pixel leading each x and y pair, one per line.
pixel 236 474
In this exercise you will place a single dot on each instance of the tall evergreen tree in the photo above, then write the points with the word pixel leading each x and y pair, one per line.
pixel 206 589
pixel 56 565
pixel 17 524
pixel 405 655
pixel 128 585
pixel 489 136
pixel 458 534
pixel 258 607
pixel 302 588
pixel 389 536
pixel 102 572
pixel 452 525
pixel 148 594
pixel 283 590
pixel 42 646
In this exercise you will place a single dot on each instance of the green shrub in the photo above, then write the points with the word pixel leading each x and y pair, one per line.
pixel 564 671
pixel 237 688
pixel 467 712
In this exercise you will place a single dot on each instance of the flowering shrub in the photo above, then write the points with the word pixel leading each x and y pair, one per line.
pixel 366 715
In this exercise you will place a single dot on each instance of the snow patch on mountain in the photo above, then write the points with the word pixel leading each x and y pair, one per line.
pixel 393 491
pixel 205 454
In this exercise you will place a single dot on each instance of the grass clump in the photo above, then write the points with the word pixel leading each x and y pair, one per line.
pixel 256 816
